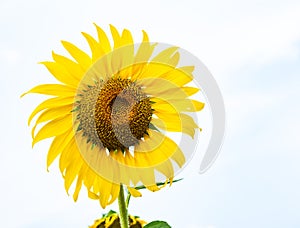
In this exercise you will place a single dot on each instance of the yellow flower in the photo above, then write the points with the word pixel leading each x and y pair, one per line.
pixel 112 220
pixel 110 113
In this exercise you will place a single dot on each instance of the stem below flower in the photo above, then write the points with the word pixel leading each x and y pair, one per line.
pixel 123 209
pixel 128 199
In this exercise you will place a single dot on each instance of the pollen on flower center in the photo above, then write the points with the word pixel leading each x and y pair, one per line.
pixel 114 114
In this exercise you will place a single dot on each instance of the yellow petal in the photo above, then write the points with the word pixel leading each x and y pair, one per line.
pixel 145 50
pixel 130 173
pixel 166 169
pixel 114 193
pixel 134 192
pixel 93 195
pixel 72 67
pixel 51 114
pixel 100 70
pixel 179 158
pixel 51 103
pixel 110 220
pixel 57 146
pixel 67 155
pixel 105 190
pixel 176 93
pixel 54 113
pixel 53 128
pixel 177 77
pixel 122 59
pixel 95 47
pixel 73 169
pixel 187 69
pixel 147 177
pixel 80 178
pixel 153 188
pixel 123 54
pixel 116 36
pixel 166 92
pixel 89 178
pixel 190 90
pixel 167 72
pixel 101 163
pixel 165 55
pixel 175 123
pixel 153 71
pixel 126 166
pixel 103 40
pixel 121 172
pixel 145 36
pixel 80 56
pixel 155 150
pixel 126 38
pixel 175 106
pixel 53 90
pixel 173 61
pixel 61 73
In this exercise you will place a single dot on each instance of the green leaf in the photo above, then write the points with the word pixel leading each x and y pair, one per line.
pixel 157 224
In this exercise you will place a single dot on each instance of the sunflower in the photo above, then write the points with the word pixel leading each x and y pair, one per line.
pixel 112 220
pixel 111 112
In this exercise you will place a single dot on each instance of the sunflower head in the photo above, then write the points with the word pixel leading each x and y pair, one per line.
pixel 112 220
pixel 111 113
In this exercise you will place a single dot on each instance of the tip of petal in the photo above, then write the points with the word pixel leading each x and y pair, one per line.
pixel 134 192
pixel 153 188
pixel 171 181
pixel 145 36
pixel 53 54
pixel 97 26
pixel 34 141
pixel 67 191
pixel 64 42
pixel 102 205
pixel 23 94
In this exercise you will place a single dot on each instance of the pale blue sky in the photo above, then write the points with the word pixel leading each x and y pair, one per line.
pixel 253 50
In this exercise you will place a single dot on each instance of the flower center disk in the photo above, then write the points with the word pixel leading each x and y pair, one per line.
pixel 114 114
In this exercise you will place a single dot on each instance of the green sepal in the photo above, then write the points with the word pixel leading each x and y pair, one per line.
pixel 93 146
pixel 79 128
pixel 152 127
pixel 75 109
pixel 157 224
pixel 111 212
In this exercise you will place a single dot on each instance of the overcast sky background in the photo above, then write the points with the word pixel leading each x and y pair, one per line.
pixel 253 50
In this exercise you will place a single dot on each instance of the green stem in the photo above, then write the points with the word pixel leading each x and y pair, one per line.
pixel 128 199
pixel 123 209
